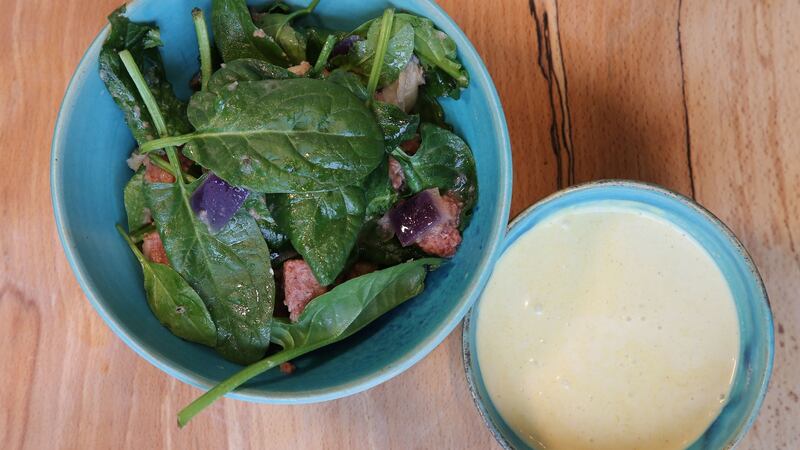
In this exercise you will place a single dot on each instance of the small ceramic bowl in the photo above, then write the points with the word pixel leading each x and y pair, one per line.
pixel 88 172
pixel 752 306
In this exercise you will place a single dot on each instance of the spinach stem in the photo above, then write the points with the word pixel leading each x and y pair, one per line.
pixel 151 105
pixel 201 30
pixel 459 77
pixel 131 243
pixel 307 10
pixel 168 141
pixel 380 52
pixel 156 161
pixel 144 91
pixel 237 380
pixel 322 60
pixel 300 12
pixel 138 234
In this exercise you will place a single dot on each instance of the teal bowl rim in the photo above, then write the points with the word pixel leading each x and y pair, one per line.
pixel 467 52
pixel 466 350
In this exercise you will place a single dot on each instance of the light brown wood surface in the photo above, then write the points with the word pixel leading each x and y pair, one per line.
pixel 701 96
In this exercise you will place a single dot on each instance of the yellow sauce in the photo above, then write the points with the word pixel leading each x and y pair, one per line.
pixel 604 327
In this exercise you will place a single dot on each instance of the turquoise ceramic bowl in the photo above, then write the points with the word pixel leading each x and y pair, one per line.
pixel 88 172
pixel 752 305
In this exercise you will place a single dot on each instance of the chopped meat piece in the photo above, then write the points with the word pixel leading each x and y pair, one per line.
pixel 412 145
pixel 396 174
pixel 153 248
pixel 155 174
pixel 288 368
pixel 453 205
pixel 443 241
pixel 403 92
pixel 360 268
pixel 445 238
pixel 299 287
pixel 300 69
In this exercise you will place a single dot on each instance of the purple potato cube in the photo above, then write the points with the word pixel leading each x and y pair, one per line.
pixel 343 47
pixel 413 218
pixel 216 201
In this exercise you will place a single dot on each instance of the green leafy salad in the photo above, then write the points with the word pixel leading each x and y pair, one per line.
pixel 307 186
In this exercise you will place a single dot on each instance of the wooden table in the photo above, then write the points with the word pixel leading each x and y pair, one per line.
pixel 702 97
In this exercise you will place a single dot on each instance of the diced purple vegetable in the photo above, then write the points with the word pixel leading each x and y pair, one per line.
pixel 216 201
pixel 343 46
pixel 412 219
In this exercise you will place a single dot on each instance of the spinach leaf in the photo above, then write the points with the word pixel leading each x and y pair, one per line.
pixel 397 126
pixel 174 303
pixel 362 29
pixel 299 135
pixel 236 36
pixel 349 81
pixel 227 269
pixel 379 246
pixel 315 40
pixel 230 269
pixel 435 48
pixel 142 40
pixel 378 190
pixel 245 70
pixel 293 42
pixel 397 56
pixel 278 6
pixel 323 227
pixel 352 305
pixel 135 203
pixel 256 206
pixel 429 109
pixel 443 161
pixel 439 84
pixel 329 318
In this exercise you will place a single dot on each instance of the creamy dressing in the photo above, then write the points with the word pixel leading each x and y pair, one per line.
pixel 605 327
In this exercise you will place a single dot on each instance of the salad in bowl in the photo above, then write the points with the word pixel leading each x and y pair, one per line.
pixel 306 188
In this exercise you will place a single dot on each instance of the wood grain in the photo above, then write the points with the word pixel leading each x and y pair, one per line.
pixel 743 93
pixel 702 97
